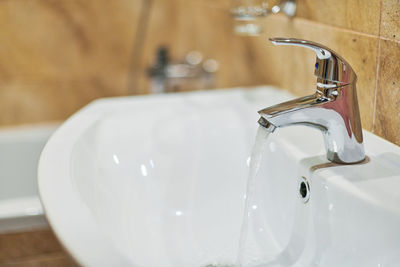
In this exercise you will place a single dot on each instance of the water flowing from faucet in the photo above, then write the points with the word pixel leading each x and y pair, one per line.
pixel 254 165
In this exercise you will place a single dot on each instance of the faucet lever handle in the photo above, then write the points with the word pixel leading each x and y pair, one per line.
pixel 329 66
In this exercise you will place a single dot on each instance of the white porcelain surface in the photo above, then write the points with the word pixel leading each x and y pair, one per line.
pixel 160 181
pixel 20 148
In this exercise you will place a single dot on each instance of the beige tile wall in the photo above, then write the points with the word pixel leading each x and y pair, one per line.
pixel 33 249
pixel 58 55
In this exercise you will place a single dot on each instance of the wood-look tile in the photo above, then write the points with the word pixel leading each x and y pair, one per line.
pixel 52 100
pixel 390 22
pixel 360 51
pixel 357 15
pixel 58 259
pixel 63 44
pixel 27 244
pixel 387 116
pixel 272 64
pixel 80 41
pixel 223 4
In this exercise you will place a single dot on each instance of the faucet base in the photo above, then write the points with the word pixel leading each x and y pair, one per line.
pixel 334 157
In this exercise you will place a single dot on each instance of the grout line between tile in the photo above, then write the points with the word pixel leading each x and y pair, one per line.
pixel 378 63
pixel 344 29
pixel 349 30
pixel 388 39
pixel 353 31
pixel 341 28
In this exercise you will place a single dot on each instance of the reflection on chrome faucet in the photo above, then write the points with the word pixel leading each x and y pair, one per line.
pixel 192 73
pixel 333 108
pixel 247 14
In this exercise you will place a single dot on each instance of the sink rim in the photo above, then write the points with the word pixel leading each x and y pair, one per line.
pixel 62 189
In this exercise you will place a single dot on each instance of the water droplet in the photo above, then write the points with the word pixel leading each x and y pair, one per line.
pixel 248 161
pixel 116 159
pixel 143 169
pixel 272 147
pixel 178 213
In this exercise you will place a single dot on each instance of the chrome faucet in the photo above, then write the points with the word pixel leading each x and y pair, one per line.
pixel 333 108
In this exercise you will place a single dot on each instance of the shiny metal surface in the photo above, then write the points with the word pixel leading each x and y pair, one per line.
pixel 333 108
pixel 289 8
pixel 248 14
pixel 157 180
pixel 192 73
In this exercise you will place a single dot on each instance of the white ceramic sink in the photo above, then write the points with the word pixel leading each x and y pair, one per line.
pixel 160 181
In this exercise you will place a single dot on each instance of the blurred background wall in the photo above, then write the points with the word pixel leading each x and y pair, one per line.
pixel 58 55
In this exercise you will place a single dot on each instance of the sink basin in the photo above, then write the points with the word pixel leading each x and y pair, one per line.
pixel 161 181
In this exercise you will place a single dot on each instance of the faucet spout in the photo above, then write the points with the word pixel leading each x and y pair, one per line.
pixel 264 123
pixel 296 111
pixel 333 108
pixel 336 117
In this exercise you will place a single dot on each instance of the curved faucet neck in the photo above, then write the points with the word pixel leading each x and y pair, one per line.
pixel 333 108
pixel 334 111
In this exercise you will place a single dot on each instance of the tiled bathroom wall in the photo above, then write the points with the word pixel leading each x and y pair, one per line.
pixel 37 248
pixel 58 55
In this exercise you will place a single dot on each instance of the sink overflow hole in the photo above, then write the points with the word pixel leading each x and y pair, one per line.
pixel 304 189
